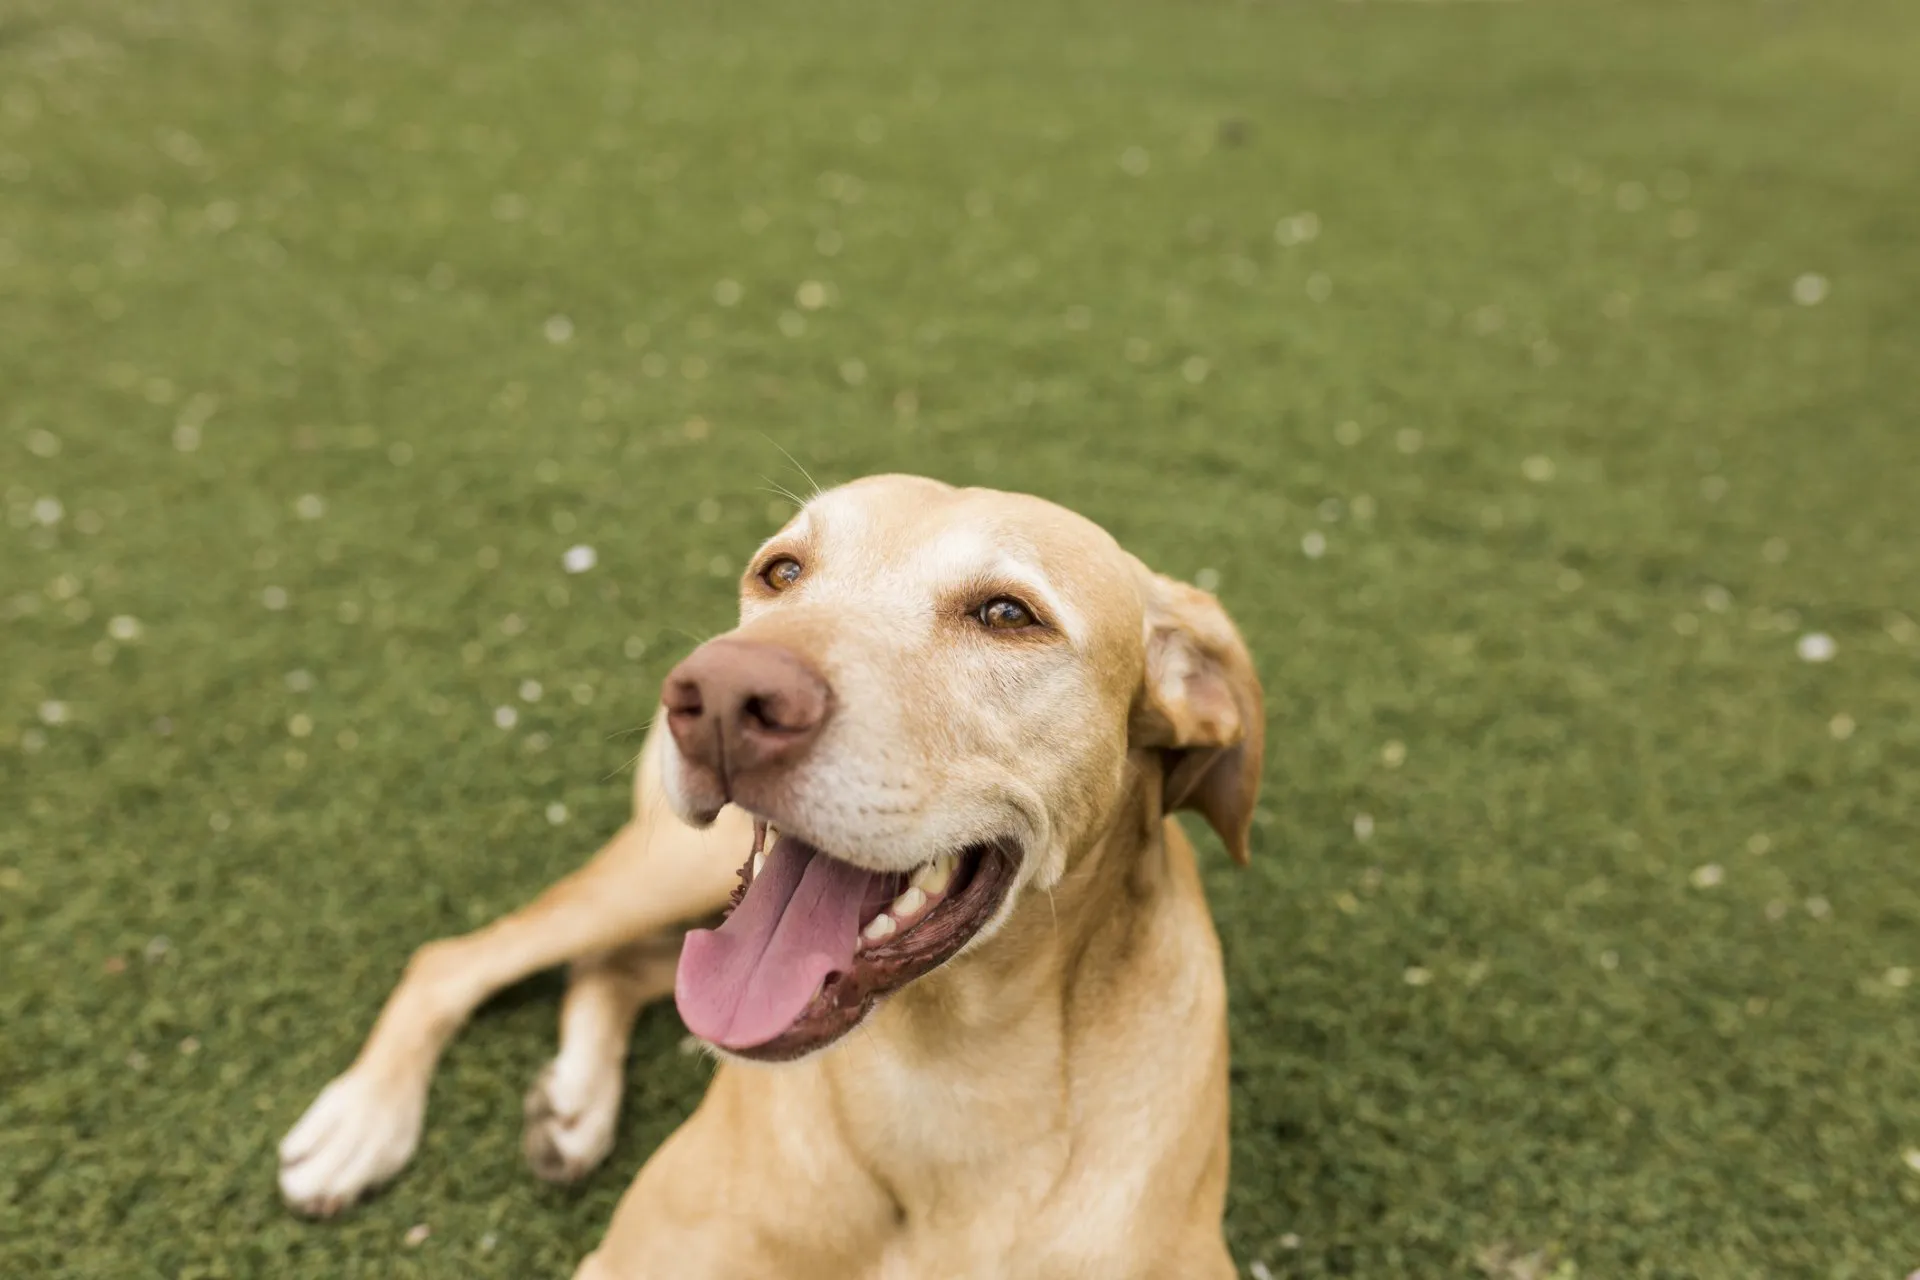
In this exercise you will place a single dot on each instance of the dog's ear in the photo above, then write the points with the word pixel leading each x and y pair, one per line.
pixel 1200 707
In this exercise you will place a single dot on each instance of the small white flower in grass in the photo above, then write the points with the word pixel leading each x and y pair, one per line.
pixel 1297 229
pixel 1207 579
pixel 727 293
pixel 1394 754
pixel 558 329
pixel 417 1235
pixel 635 647
pixel 301 726
pixel 506 717
pixel 1538 468
pixel 1810 290
pixel 1758 844
pixel 43 444
pixel 1708 876
pixel 1609 960
pixel 1816 646
pixel 1289 1241
pixel 1898 977
pixel 124 627
pixel 1818 907
pixel 579 559
pixel 219 821
pixel 811 295
pixel 1841 727
pixel 1314 544
pixel 310 506
pixel 52 712
pixel 1195 369
pixel 1416 976
pixel 48 511
pixel 274 598
pixel 298 680
pixel 853 372
pixel 530 691
pixel 1348 433
pixel 1259 1271
pixel 557 813
pixel 1717 599
pixel 1912 1159
pixel 1362 826
pixel 489 1242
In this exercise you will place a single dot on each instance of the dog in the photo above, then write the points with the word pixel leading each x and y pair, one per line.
pixel 968 1001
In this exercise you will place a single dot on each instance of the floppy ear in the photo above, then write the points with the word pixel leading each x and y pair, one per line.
pixel 1200 706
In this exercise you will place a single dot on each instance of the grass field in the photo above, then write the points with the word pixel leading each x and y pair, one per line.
pixel 1537 383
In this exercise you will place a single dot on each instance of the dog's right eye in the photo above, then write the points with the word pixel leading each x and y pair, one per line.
pixel 1004 613
pixel 781 573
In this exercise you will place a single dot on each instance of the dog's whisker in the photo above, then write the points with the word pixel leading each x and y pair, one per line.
pixel 805 474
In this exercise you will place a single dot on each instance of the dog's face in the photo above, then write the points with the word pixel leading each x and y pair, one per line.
pixel 935 697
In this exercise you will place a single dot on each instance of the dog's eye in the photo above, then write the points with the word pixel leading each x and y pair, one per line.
pixel 781 573
pixel 1003 613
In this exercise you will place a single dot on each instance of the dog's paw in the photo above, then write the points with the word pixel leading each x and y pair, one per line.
pixel 571 1115
pixel 357 1134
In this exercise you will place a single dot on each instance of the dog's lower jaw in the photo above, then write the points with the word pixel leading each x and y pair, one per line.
pixel 939 911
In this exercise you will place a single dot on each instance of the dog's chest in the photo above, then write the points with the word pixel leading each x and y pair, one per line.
pixel 924 1122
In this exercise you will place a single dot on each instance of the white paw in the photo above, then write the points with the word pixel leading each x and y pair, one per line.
pixel 571 1113
pixel 357 1134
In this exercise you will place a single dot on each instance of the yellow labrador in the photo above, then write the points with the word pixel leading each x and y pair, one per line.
pixel 932 770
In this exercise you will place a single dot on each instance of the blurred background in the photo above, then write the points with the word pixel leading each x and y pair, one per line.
pixel 389 395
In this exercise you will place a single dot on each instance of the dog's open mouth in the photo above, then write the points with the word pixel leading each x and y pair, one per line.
pixel 811 943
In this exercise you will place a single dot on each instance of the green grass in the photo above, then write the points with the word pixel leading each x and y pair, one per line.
pixel 1602 473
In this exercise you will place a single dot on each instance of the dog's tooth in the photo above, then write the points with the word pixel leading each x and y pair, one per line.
pixel 910 903
pixel 932 878
pixel 759 861
pixel 882 927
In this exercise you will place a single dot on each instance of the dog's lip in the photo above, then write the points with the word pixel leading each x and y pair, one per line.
pixel 983 875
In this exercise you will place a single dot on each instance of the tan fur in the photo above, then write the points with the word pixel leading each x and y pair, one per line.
pixel 1052 1102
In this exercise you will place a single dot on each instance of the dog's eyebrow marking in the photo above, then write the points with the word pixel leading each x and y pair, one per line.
pixel 965 554
pixel 798 533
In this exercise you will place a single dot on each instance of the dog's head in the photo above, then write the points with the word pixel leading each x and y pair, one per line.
pixel 932 704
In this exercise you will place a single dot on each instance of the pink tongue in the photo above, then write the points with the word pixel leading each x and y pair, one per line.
pixel 746 982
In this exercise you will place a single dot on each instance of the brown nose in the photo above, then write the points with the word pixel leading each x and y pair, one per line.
pixel 735 706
